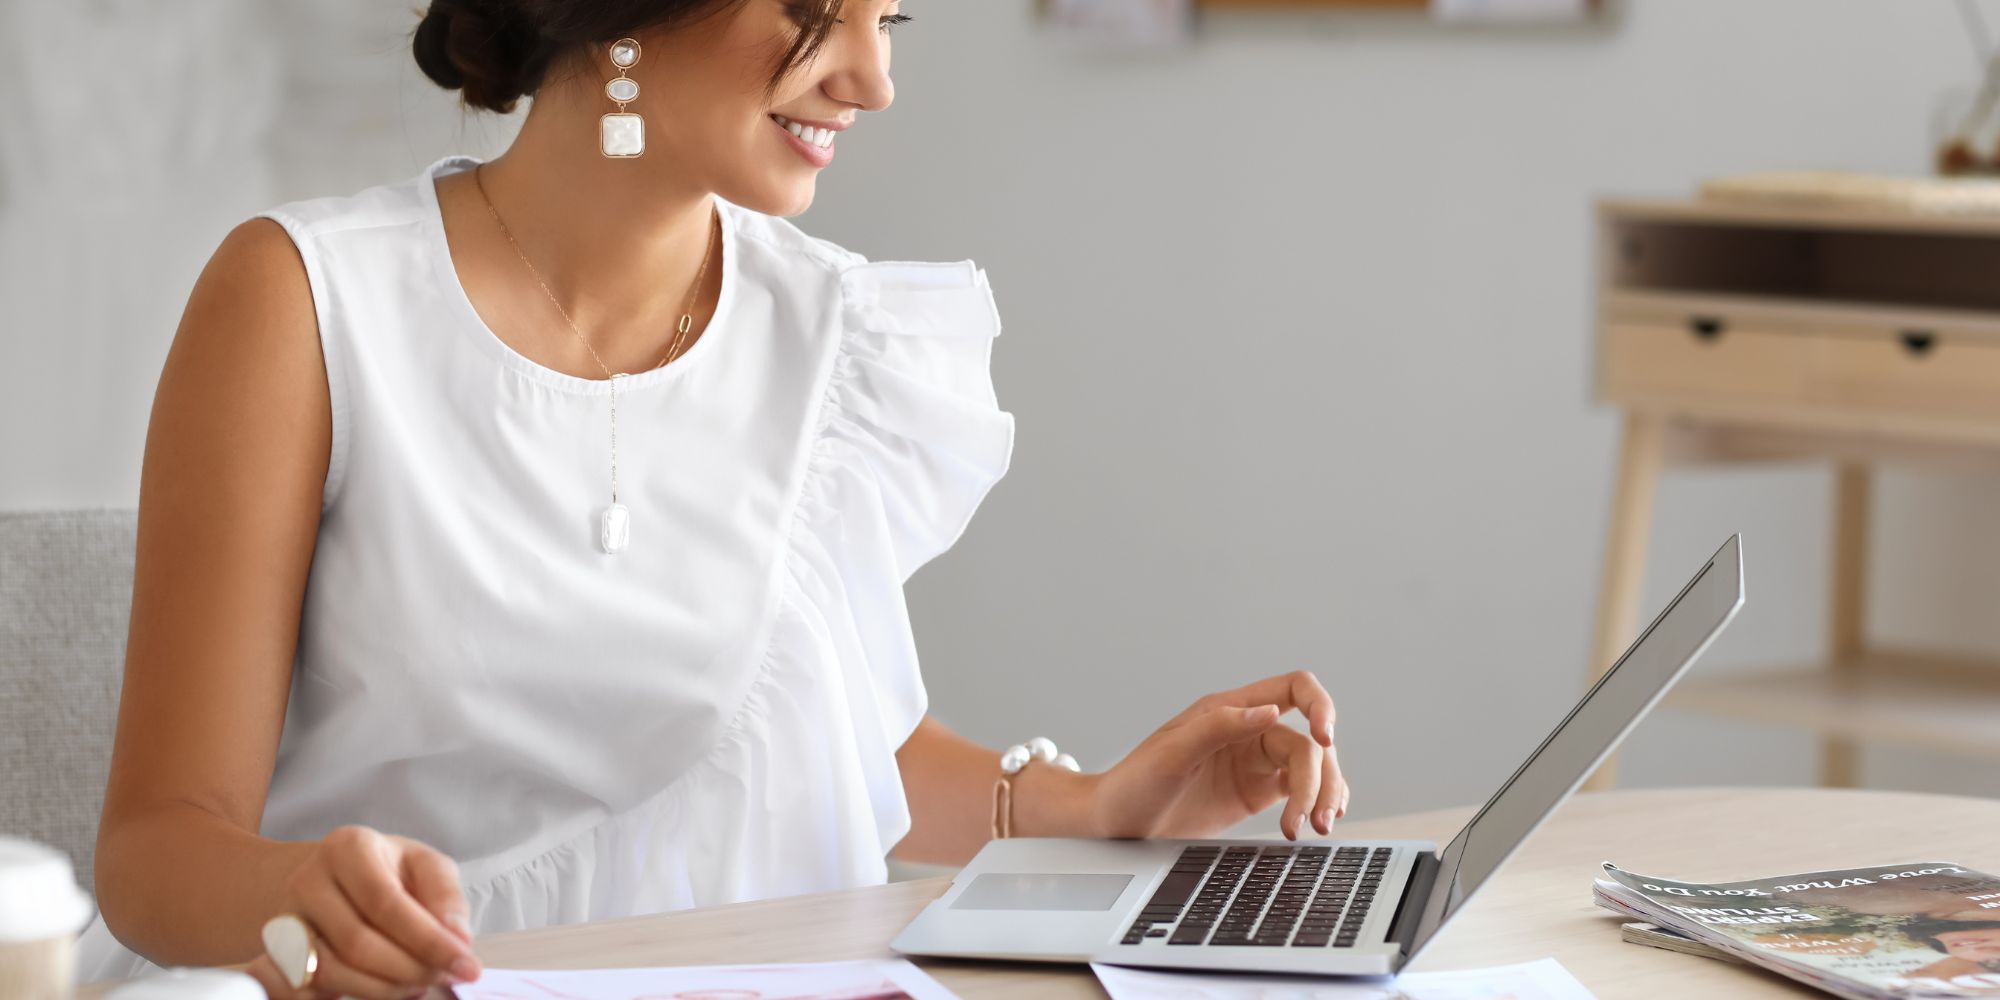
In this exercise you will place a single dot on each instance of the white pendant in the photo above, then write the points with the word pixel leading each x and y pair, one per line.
pixel 622 134
pixel 617 528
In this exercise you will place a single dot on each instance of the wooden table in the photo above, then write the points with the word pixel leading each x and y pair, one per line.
pixel 1538 906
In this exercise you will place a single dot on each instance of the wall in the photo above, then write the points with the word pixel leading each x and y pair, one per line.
pixel 1297 335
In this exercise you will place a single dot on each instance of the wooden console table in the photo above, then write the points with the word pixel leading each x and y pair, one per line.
pixel 1732 333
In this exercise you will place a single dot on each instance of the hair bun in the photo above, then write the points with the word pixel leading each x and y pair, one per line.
pixel 489 50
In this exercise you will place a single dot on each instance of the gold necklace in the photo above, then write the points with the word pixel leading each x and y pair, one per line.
pixel 615 524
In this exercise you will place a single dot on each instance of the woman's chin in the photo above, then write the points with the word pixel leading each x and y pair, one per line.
pixel 786 196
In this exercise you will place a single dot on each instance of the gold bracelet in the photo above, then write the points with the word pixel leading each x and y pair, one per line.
pixel 1003 808
pixel 1011 762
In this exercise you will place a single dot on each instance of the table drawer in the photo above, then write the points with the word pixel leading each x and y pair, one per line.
pixel 1714 361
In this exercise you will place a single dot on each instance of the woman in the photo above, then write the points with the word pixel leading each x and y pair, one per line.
pixel 443 622
pixel 1970 947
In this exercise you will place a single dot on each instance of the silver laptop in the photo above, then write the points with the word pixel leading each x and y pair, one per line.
pixel 1332 907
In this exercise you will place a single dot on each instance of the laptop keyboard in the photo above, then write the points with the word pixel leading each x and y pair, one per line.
pixel 1280 895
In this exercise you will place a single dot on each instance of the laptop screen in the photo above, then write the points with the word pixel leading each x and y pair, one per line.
pixel 1608 710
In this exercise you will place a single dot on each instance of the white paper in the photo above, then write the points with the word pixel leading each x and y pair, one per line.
pixel 886 979
pixel 1543 980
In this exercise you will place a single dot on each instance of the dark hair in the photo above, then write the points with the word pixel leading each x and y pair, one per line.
pixel 497 51
pixel 1925 930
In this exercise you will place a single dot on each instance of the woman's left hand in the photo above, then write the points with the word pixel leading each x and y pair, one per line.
pixel 1224 759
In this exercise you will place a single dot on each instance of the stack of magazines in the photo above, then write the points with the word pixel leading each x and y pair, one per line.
pixel 1916 930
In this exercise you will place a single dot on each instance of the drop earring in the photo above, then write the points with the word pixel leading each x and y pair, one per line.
pixel 621 133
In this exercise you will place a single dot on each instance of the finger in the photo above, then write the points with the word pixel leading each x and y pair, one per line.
pixel 1300 757
pixel 276 987
pixel 1298 689
pixel 433 880
pixel 266 973
pixel 375 886
pixel 1330 790
pixel 336 978
pixel 1345 789
pixel 1218 727
pixel 344 931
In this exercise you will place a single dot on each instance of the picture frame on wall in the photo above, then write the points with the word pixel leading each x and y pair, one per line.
pixel 1138 23
pixel 1146 19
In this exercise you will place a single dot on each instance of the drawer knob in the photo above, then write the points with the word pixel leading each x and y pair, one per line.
pixel 1918 342
pixel 1705 327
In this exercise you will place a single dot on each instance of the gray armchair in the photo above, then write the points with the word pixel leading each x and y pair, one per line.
pixel 65 600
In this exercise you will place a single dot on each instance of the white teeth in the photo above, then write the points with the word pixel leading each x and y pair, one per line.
pixel 821 137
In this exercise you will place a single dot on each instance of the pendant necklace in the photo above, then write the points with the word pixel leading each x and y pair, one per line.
pixel 615 523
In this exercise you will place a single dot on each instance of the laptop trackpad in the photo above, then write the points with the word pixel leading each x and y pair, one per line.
pixel 1025 891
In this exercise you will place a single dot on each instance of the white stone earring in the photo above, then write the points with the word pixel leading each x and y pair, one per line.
pixel 621 133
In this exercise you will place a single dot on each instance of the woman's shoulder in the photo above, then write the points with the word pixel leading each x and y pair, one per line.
pixel 393 202
pixel 782 235
pixel 943 297
pixel 910 407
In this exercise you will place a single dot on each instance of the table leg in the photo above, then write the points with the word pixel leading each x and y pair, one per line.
pixel 1840 757
pixel 1641 452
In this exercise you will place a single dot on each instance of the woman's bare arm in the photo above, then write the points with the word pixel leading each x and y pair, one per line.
pixel 229 505
pixel 229 499
pixel 948 782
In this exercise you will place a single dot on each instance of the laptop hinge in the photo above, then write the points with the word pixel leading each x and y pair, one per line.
pixel 1410 910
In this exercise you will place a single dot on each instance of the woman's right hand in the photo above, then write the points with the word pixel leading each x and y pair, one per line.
pixel 389 916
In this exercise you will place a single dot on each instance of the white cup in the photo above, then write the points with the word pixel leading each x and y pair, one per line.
pixel 190 984
pixel 41 910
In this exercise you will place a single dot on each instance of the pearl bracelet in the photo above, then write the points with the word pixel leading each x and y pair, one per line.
pixel 1011 762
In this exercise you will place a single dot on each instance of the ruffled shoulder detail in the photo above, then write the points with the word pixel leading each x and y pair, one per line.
pixel 910 400
pixel 908 442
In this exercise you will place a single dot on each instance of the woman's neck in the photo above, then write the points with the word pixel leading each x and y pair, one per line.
pixel 618 242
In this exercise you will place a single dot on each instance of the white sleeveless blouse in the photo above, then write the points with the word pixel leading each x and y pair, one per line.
pixel 710 715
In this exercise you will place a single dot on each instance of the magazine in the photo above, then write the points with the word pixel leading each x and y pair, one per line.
pixel 1655 936
pixel 1930 929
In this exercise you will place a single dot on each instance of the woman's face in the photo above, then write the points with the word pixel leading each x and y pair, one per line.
pixel 702 92
pixel 1981 944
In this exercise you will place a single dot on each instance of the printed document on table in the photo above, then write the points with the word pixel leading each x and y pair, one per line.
pixel 1543 980
pixel 877 979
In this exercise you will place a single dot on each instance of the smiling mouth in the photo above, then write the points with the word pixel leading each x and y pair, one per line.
pixel 821 137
